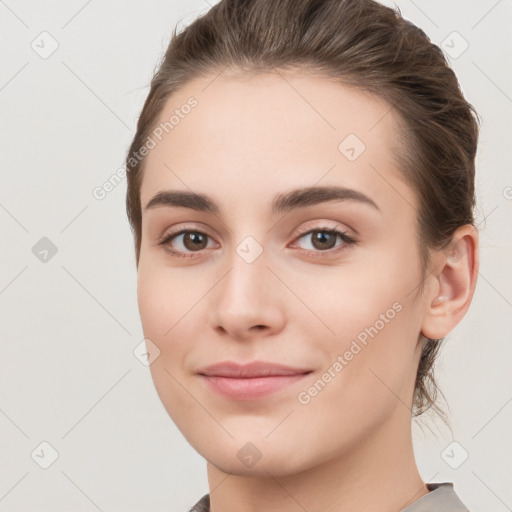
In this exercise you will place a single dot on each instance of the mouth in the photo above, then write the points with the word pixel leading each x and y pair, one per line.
pixel 250 381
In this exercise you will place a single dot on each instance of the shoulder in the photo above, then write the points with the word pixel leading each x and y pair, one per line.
pixel 440 498
pixel 203 505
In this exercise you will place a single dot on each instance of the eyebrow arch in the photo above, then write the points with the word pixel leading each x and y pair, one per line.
pixel 284 202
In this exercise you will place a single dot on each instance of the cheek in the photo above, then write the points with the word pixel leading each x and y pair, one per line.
pixel 160 313
pixel 164 298
pixel 368 374
pixel 161 308
pixel 347 300
pixel 375 324
pixel 171 307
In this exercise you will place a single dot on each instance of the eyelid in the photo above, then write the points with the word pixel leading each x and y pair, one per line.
pixel 347 239
pixel 175 231
pixel 300 231
pixel 341 232
pixel 322 225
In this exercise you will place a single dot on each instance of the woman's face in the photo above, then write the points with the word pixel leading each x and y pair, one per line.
pixel 258 276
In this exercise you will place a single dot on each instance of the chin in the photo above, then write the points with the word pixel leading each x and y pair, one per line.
pixel 276 466
pixel 262 457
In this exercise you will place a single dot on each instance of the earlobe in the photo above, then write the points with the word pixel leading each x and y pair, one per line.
pixel 452 283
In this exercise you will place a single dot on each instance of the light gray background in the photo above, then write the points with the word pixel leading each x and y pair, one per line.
pixel 69 326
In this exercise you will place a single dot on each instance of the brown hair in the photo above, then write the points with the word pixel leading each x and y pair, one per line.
pixel 355 42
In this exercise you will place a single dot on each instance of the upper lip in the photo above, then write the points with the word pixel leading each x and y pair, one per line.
pixel 252 369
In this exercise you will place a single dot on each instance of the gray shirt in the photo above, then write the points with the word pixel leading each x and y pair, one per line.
pixel 440 498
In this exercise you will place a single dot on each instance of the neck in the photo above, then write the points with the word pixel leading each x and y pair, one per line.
pixel 378 475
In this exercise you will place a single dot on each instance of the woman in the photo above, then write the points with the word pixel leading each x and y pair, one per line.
pixel 301 194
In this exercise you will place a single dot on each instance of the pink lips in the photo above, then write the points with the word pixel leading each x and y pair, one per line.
pixel 250 381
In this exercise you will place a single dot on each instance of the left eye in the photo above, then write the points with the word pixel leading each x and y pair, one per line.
pixel 325 239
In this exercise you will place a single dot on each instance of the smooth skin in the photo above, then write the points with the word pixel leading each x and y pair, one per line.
pixel 250 138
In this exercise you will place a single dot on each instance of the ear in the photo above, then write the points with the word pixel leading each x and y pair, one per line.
pixel 452 283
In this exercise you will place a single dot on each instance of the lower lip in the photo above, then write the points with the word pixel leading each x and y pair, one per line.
pixel 250 388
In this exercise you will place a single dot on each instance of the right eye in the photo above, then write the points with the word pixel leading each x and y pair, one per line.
pixel 188 242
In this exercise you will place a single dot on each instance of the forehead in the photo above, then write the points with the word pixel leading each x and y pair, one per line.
pixel 249 133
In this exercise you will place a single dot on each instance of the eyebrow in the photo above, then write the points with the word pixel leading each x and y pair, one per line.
pixel 284 202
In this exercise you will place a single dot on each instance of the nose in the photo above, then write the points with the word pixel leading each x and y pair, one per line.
pixel 249 301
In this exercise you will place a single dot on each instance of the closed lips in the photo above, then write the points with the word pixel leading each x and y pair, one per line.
pixel 250 370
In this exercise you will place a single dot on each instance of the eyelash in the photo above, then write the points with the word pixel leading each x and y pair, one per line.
pixel 348 241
